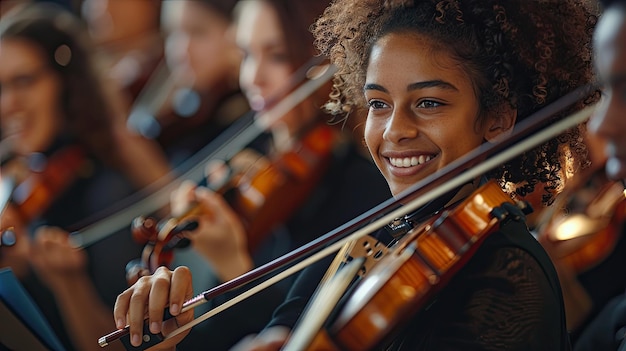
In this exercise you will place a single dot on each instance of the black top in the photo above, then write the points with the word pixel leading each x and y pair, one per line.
pixel 603 283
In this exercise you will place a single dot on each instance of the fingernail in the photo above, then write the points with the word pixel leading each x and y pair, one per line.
pixel 119 323
pixel 135 340
pixel 174 309
pixel 154 327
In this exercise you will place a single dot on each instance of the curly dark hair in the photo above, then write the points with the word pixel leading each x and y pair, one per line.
pixel 524 53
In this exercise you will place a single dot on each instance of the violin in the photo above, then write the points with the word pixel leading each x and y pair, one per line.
pixel 263 194
pixel 30 189
pixel 584 224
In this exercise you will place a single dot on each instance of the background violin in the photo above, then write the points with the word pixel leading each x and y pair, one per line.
pixel 30 185
pixel 584 224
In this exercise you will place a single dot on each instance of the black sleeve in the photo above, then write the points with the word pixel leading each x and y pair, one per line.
pixel 607 330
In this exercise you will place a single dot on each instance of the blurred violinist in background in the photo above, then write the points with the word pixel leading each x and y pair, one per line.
pixel 69 159
pixel 130 46
pixel 598 303
pixel 277 49
pixel 438 79
pixel 127 36
pixel 203 64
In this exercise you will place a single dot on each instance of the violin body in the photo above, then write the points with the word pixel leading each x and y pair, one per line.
pixel 420 266
pixel 586 220
pixel 27 192
pixel 263 194
pixel 33 188
pixel 271 195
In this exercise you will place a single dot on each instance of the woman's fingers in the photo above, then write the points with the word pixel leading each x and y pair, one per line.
pixel 181 198
pixel 181 289
pixel 150 295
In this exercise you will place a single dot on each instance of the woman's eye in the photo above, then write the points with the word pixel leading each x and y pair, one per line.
pixel 429 104
pixel 376 104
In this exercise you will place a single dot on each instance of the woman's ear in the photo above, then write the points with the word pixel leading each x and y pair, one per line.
pixel 500 123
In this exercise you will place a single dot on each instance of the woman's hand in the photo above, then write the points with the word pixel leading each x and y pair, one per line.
pixel 220 236
pixel 150 295
pixel 54 259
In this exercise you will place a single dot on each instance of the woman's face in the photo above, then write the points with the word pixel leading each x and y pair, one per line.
pixel 265 69
pixel 30 97
pixel 201 47
pixel 422 110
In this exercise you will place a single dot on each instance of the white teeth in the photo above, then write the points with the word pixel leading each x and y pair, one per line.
pixel 405 162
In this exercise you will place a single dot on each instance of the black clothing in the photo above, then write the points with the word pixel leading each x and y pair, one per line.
pixel 606 332
pixel 351 186
pixel 606 285
pixel 506 297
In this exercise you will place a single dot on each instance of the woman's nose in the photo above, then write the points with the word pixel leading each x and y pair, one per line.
pixel 400 126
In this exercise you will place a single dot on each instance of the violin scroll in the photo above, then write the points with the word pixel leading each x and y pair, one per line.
pixel 160 240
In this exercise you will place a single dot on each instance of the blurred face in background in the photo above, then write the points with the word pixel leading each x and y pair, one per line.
pixel 265 69
pixel 112 21
pixel 266 74
pixel 201 45
pixel 609 119
pixel 30 97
